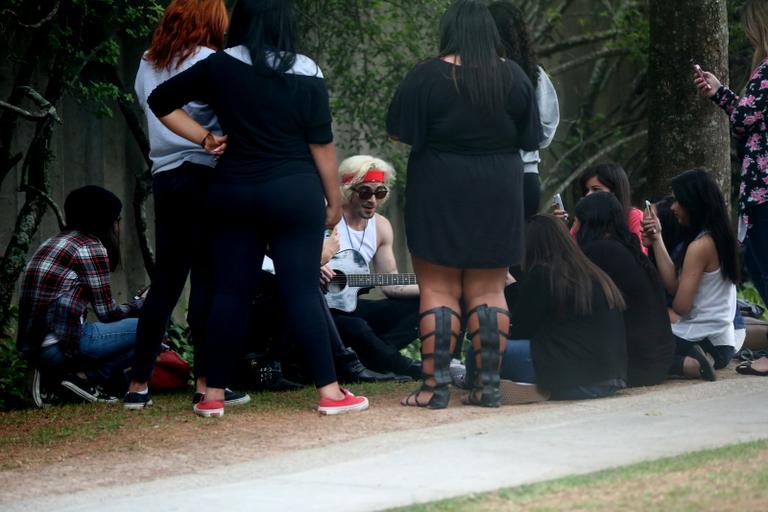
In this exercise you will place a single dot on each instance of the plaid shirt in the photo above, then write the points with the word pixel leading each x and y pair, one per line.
pixel 66 273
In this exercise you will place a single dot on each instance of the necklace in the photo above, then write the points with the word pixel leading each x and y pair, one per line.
pixel 349 235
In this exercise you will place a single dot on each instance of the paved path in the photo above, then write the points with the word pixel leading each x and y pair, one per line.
pixel 510 449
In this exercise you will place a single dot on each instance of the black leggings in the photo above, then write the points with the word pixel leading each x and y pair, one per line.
pixel 179 196
pixel 287 214
pixel 722 354
pixel 531 194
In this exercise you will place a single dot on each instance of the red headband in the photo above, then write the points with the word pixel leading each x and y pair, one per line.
pixel 372 175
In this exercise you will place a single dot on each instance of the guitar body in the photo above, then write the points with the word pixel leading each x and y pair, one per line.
pixel 340 294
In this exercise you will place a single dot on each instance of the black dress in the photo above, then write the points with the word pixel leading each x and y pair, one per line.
pixel 464 188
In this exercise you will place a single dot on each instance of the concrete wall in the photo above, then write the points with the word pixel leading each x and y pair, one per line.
pixel 87 150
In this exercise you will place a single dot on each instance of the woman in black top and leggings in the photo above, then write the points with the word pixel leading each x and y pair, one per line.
pixel 275 186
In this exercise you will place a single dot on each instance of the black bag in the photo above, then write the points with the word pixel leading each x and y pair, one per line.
pixel 750 308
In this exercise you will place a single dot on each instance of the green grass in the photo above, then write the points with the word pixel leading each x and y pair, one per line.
pixel 56 424
pixel 705 480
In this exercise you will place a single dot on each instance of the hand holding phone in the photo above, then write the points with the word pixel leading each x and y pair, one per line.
pixel 699 72
pixel 701 78
pixel 557 202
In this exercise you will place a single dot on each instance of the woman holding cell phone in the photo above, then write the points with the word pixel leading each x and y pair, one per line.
pixel 747 118
pixel 702 281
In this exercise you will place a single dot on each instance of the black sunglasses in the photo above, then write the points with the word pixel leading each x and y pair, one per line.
pixel 364 192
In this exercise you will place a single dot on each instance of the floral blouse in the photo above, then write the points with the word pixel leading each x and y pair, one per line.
pixel 748 124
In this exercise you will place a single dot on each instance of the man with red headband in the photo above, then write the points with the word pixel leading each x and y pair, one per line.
pixel 378 329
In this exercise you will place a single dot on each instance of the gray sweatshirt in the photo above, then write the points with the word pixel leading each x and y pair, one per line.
pixel 549 113
pixel 168 150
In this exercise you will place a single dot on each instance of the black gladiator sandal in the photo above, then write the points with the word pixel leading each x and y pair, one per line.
pixel 485 392
pixel 437 381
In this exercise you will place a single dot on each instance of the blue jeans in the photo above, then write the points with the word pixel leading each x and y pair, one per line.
pixel 756 249
pixel 517 365
pixel 105 350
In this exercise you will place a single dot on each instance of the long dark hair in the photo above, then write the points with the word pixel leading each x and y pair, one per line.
pixel 468 31
pixel 571 274
pixel 268 29
pixel 670 228
pixel 515 38
pixel 612 176
pixel 601 216
pixel 697 192
pixel 95 211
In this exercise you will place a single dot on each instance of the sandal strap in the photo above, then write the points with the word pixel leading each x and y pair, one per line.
pixel 488 379
pixel 443 334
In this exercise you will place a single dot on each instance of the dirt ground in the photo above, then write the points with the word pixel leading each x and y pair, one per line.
pixel 76 448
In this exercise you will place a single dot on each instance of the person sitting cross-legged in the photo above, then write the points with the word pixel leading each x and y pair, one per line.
pixel 567 336
pixel 377 329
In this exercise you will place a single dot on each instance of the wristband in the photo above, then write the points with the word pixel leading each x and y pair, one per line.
pixel 202 142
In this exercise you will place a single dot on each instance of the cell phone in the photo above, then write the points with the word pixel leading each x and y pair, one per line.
pixel 140 292
pixel 647 208
pixel 558 201
pixel 700 73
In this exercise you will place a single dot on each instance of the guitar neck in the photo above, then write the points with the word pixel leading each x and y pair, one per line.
pixel 370 280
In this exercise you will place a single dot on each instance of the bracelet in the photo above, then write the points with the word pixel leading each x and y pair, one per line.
pixel 202 142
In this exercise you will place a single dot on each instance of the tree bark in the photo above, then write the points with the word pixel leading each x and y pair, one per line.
pixel 685 130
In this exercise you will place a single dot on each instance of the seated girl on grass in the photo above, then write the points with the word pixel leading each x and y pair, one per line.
pixel 567 337
pixel 703 284
pixel 601 230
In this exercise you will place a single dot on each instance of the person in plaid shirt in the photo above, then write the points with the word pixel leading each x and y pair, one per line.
pixel 67 273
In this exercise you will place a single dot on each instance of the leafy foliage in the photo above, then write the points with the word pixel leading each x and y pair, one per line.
pixel 14 367
pixel 747 291
pixel 365 48
pixel 178 338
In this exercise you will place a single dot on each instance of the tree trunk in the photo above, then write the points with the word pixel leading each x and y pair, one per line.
pixel 28 221
pixel 686 130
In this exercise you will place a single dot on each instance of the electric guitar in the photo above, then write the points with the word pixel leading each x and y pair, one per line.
pixel 353 278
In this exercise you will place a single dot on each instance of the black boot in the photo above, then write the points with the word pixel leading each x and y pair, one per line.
pixel 262 373
pixel 486 341
pixel 350 369
pixel 436 376
pixel 406 366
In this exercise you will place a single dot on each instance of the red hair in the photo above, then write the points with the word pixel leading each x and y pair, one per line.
pixel 187 24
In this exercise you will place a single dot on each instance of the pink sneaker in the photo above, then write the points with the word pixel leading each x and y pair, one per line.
pixel 209 408
pixel 350 403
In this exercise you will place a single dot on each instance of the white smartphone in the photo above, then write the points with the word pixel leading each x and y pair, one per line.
pixel 647 208
pixel 558 201
pixel 700 73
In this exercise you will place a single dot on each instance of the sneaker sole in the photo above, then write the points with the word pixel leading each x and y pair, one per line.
pixel 238 401
pixel 332 411
pixel 137 407
pixel 517 393
pixel 37 397
pixel 79 391
pixel 209 413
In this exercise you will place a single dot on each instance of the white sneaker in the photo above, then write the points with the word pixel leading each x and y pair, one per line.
pixel 458 374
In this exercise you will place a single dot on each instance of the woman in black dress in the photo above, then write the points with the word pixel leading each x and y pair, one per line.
pixel 466 115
